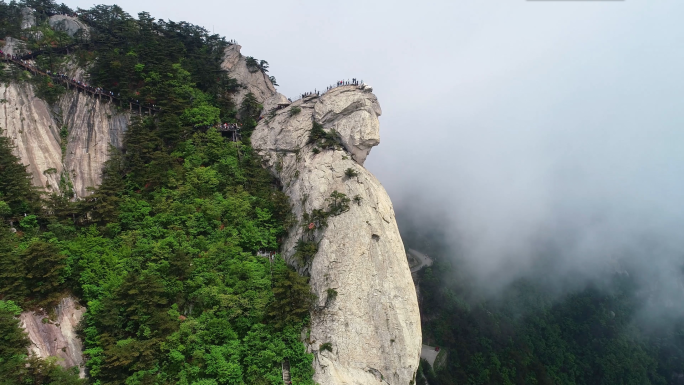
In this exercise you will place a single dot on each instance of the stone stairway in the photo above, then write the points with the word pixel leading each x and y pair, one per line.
pixel 286 372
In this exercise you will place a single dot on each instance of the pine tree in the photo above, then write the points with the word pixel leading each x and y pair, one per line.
pixel 102 205
pixel 44 265
pixel 292 297
pixel 13 342
pixel 12 269
pixel 15 182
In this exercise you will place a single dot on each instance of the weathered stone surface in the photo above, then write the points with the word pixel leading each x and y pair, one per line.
pixel 70 25
pixel 28 20
pixel 352 114
pixel 92 125
pixel 14 46
pixel 256 82
pixel 56 337
pixel 373 324
pixel 27 120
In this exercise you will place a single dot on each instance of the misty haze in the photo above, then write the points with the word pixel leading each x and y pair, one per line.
pixel 357 192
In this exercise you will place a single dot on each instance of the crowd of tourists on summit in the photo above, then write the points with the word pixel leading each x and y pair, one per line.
pixel 102 91
pixel 352 82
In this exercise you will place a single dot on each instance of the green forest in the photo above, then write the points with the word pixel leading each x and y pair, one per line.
pixel 534 333
pixel 163 254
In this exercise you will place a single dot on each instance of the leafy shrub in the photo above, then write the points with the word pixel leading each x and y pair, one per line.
pixel 4 209
pixel 295 110
pixel 292 296
pixel 320 138
pixel 325 346
pixel 338 203
pixel 255 65
pixel 350 173
pixel 332 294
pixel 305 251
pixel 318 218
pixel 44 264
pixel 46 89
pixel 357 199
pixel 252 64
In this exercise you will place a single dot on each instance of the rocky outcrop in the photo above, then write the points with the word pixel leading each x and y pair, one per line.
pixel 72 26
pixel 14 46
pixel 250 79
pixel 92 125
pixel 373 323
pixel 56 336
pixel 28 20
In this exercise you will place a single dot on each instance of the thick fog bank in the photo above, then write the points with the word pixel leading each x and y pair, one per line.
pixel 582 214
pixel 553 148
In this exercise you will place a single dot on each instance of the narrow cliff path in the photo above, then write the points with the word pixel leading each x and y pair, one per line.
pixel 95 92
pixel 422 258
pixel 286 372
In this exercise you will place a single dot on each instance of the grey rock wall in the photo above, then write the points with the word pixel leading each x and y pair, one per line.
pixel 56 337
pixel 28 20
pixel 92 125
pixel 71 25
pixel 27 120
pixel 373 324
pixel 256 82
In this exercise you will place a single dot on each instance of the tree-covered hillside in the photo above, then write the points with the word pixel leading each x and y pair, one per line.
pixel 534 331
pixel 163 254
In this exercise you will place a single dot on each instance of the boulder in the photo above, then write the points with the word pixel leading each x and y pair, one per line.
pixel 14 46
pixel 70 25
pixel 28 20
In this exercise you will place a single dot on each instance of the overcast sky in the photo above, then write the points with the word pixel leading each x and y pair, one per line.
pixel 524 120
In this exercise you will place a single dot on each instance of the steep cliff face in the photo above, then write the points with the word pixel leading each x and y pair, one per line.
pixel 13 46
pixel 56 337
pixel 251 79
pixel 27 120
pixel 91 125
pixel 373 323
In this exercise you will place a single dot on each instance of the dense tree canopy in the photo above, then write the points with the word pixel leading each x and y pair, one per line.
pixel 531 333
pixel 164 252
